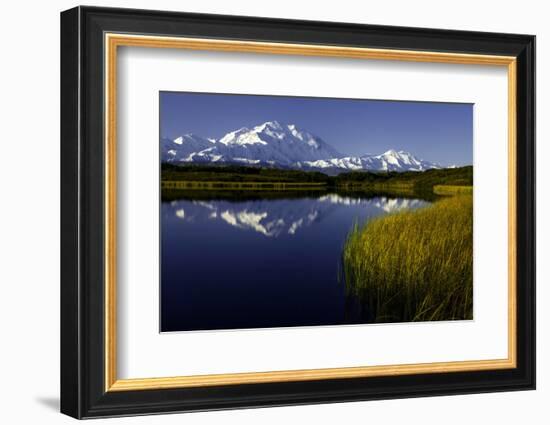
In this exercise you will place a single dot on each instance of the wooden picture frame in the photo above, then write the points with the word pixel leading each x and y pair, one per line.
pixel 90 38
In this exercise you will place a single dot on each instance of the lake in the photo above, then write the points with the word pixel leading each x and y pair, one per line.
pixel 234 261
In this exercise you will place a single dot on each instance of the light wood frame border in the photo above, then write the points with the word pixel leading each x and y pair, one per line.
pixel 113 41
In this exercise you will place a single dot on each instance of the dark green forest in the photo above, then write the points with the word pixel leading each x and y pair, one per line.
pixel 409 180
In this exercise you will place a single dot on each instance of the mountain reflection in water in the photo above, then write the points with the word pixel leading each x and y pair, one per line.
pixel 273 218
pixel 245 260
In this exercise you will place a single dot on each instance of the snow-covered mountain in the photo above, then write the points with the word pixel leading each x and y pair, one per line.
pixel 388 161
pixel 285 146
pixel 185 146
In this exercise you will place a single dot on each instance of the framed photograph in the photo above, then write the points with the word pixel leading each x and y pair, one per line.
pixel 261 212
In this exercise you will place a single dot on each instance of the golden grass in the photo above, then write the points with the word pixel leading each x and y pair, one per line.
pixel 452 190
pixel 414 265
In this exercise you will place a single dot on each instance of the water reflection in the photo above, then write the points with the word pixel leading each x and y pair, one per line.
pixel 273 218
pixel 235 260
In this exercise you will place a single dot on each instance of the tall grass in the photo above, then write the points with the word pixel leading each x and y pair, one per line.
pixel 414 265
pixel 449 190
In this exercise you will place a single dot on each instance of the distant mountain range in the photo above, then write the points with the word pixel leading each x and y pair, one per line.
pixel 284 146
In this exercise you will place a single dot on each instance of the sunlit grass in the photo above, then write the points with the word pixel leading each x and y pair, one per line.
pixel 414 265
pixel 452 190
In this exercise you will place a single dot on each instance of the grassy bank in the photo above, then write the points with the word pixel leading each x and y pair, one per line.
pixel 450 190
pixel 414 265
pixel 413 180
pixel 408 182
pixel 228 185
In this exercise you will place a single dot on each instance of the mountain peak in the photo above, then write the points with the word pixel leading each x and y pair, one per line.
pixel 275 144
pixel 188 138
pixel 271 125
pixel 233 136
pixel 391 152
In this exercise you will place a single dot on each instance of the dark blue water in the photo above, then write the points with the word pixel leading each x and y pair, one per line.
pixel 230 264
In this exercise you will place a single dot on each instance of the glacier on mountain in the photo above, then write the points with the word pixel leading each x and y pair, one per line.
pixel 280 145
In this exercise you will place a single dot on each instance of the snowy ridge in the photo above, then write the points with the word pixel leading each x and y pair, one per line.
pixel 280 145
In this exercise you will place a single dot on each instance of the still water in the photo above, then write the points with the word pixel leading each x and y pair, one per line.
pixel 233 263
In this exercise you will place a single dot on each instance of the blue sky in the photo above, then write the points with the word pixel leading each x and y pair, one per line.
pixel 438 132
